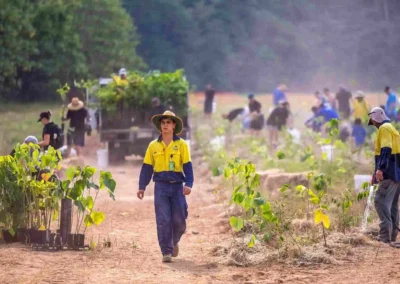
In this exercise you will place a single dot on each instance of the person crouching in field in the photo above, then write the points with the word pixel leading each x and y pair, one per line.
pixel 276 121
pixel 77 115
pixel 257 118
pixel 387 175
pixel 168 161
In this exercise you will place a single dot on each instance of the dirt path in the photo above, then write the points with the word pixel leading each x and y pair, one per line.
pixel 135 257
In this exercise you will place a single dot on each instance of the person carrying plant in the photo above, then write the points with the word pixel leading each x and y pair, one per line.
pixel 77 115
pixel 168 161
pixel 387 174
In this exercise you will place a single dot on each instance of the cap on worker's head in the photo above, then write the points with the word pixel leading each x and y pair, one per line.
pixel 250 96
pixel 282 87
pixel 168 114
pixel 378 115
pixel 31 139
pixel 122 71
pixel 360 94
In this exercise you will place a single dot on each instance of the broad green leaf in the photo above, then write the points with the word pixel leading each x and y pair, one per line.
pixel 324 156
pixel 259 201
pixel 236 223
pixel 92 185
pixel 247 203
pixel 88 172
pixel 11 231
pixel 215 172
pixel 301 188
pixel 238 198
pixel 70 173
pixel 88 221
pixel 97 217
pixel 252 241
pixel 341 170
pixel 319 217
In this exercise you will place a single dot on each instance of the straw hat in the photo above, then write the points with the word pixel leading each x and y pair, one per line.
pixel 168 114
pixel 76 104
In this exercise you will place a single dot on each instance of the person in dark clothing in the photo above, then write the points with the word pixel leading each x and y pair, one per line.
pixel 209 99
pixel 49 130
pixel 257 118
pixel 233 114
pixel 276 121
pixel 344 98
pixel 77 115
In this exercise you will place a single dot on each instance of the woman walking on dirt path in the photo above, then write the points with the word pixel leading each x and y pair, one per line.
pixel 52 134
pixel 168 161
pixel 77 115
pixel 387 175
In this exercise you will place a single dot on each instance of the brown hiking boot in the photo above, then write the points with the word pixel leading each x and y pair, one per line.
pixel 167 258
pixel 175 252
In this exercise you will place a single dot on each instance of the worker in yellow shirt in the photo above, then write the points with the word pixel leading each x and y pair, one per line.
pixel 168 161
pixel 361 107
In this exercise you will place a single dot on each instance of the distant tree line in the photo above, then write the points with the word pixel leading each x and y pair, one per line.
pixel 236 45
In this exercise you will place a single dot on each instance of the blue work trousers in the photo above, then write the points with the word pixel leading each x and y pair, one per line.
pixel 171 213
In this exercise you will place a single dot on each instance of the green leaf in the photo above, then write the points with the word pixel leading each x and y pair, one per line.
pixel 88 172
pixel 236 223
pixel 259 201
pixel 93 185
pixel 70 173
pixel 77 190
pixel 88 221
pixel 247 203
pixel 238 198
pixel 97 217
pixel 11 231
pixel 215 172
pixel 252 241
pixel 284 188
pixel 280 155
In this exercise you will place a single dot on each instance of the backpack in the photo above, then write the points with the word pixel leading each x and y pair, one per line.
pixel 57 140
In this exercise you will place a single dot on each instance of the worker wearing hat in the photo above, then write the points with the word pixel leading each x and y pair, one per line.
pixel 168 161
pixel 360 106
pixel 387 174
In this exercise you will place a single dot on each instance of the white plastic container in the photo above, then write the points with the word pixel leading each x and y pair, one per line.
pixel 102 158
pixel 328 149
pixel 295 135
pixel 359 180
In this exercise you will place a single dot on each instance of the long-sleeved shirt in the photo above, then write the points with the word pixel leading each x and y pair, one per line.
pixel 164 163
pixel 387 152
pixel 390 107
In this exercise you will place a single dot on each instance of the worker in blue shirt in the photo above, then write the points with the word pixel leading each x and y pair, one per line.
pixel 168 161
pixel 279 94
pixel 391 103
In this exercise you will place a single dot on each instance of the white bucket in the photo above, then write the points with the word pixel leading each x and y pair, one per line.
pixel 295 135
pixel 102 158
pixel 214 107
pixel 359 180
pixel 328 149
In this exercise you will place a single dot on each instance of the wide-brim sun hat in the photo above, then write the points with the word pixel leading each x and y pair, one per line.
pixel 378 115
pixel 360 94
pixel 168 114
pixel 76 104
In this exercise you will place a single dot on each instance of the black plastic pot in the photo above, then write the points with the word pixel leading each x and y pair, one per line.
pixel 8 238
pixel 65 219
pixel 22 235
pixel 39 237
pixel 76 240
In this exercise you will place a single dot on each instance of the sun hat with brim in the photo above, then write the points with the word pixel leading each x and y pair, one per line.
pixel 168 114
pixel 378 115
pixel 76 104
pixel 360 94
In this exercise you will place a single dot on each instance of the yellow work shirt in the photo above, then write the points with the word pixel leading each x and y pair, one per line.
pixel 361 110
pixel 170 163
